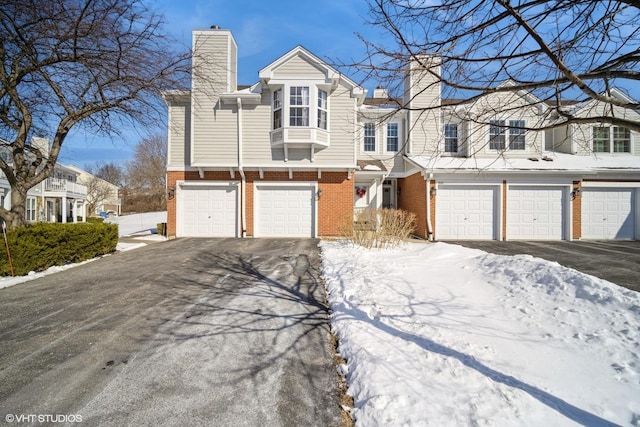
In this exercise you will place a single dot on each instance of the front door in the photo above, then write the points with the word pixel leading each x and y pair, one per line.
pixel 388 201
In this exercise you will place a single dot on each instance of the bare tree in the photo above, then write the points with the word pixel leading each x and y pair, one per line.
pixel 109 172
pixel 146 176
pixel 558 50
pixel 98 192
pixel 100 64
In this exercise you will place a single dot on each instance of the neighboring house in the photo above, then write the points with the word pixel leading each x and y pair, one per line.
pixel 296 153
pixel 102 196
pixel 58 198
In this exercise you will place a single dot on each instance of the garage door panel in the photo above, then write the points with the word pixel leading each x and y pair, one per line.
pixel 283 211
pixel 208 211
pixel 535 213
pixel 608 213
pixel 466 212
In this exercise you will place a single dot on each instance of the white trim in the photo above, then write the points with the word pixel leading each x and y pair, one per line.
pixel 610 184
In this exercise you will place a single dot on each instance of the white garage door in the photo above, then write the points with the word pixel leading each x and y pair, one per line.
pixel 284 211
pixel 466 212
pixel 208 211
pixel 608 213
pixel 535 213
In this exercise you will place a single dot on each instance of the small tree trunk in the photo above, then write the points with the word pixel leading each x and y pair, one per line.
pixel 16 217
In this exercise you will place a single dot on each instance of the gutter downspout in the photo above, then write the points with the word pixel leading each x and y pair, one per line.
pixel 429 225
pixel 243 179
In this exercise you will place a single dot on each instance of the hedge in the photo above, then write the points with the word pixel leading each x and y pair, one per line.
pixel 39 246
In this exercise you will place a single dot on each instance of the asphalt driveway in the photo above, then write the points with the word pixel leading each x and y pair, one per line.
pixel 617 261
pixel 187 332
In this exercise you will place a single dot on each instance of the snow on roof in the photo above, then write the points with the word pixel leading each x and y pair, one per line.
pixel 549 161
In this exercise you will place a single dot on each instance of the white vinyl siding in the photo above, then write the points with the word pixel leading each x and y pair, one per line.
pixel 214 136
pixel 179 135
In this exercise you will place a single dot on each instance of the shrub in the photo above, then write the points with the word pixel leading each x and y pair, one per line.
pixel 43 245
pixel 95 219
pixel 378 228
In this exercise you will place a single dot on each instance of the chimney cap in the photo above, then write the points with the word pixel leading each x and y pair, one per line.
pixel 215 27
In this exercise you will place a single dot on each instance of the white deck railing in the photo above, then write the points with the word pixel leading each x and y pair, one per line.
pixel 58 184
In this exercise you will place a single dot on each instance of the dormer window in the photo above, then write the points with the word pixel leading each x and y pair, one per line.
pixel 322 109
pixel 299 106
pixel 500 133
pixel 611 140
pixel 277 109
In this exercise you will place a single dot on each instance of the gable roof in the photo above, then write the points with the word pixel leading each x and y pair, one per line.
pixel 332 75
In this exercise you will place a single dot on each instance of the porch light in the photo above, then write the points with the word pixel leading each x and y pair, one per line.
pixel 319 193
pixel 575 193
pixel 434 191
pixel 172 192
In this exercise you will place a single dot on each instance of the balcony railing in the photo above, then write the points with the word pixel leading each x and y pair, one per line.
pixel 57 184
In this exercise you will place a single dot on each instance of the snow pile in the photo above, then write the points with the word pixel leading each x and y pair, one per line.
pixel 438 334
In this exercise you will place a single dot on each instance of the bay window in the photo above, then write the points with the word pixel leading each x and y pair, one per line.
pixel 299 106
pixel 322 109
pixel 277 109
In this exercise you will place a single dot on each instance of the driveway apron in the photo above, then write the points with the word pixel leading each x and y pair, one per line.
pixel 188 332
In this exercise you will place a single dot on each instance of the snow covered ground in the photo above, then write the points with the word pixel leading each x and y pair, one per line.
pixel 438 334
pixel 142 223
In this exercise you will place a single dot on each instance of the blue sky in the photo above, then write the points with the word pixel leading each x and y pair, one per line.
pixel 264 30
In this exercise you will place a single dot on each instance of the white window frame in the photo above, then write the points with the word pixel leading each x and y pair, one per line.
pixel 448 138
pixel 299 101
pixel 276 106
pixel 611 139
pixel 388 137
pixel 517 134
pixel 30 211
pixel 369 132
pixel 322 111
pixel 507 135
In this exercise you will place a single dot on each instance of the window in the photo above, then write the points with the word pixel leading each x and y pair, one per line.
pixel 299 106
pixel 496 135
pixel 611 139
pixel 369 137
pixel 450 138
pixel 601 140
pixel 31 209
pixel 322 109
pixel 277 109
pixel 621 140
pixel 516 134
pixel 392 137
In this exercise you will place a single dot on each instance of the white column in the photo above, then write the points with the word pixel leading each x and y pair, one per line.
pixel 74 211
pixel 64 209
pixel 84 211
